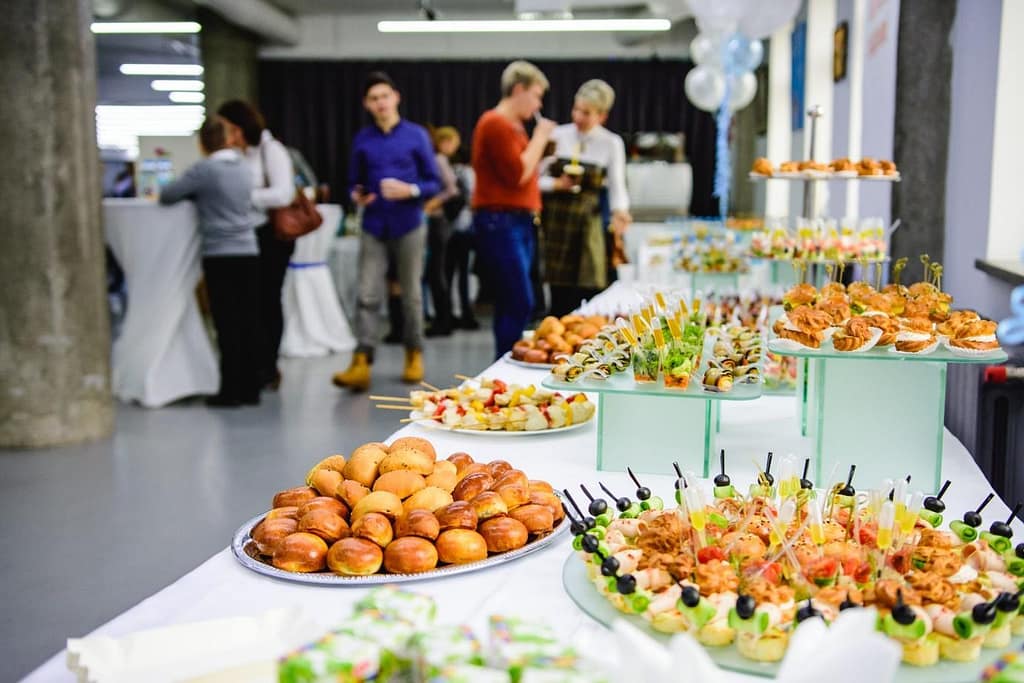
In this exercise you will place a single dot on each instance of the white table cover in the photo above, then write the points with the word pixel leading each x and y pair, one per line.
pixel 343 260
pixel 531 586
pixel 163 353
pixel 314 324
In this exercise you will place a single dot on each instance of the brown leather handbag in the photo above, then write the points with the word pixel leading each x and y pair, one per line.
pixel 295 220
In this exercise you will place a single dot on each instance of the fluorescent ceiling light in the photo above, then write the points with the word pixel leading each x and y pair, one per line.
pixel 162 69
pixel 517 26
pixel 145 27
pixel 167 86
pixel 186 97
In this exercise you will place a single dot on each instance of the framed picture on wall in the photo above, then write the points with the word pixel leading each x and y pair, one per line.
pixel 841 38
pixel 798 56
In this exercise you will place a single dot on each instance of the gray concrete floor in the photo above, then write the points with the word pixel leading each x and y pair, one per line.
pixel 89 531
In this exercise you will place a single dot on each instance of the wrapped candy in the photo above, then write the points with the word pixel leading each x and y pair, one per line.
pixel 443 647
pixel 336 658
pixel 520 644
pixel 419 610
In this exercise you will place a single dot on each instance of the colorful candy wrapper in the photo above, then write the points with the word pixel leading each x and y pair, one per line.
pixel 442 647
pixel 517 644
pixel 336 658
pixel 419 610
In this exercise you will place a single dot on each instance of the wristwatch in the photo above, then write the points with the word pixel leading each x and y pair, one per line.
pixel 414 190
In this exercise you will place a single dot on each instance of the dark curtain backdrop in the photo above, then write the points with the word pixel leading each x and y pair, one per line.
pixel 316 106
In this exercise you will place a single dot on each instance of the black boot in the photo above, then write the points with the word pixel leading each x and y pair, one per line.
pixel 395 320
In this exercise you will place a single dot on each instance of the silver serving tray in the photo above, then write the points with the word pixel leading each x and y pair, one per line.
pixel 244 550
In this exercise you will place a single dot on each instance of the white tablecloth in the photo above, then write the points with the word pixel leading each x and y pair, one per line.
pixel 163 352
pixel 531 586
pixel 343 259
pixel 314 324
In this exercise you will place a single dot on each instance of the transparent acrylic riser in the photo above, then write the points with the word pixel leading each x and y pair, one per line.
pixel 717 282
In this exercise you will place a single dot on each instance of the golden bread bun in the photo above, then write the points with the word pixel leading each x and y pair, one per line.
pixel 324 503
pixel 301 552
pixel 459 546
pixel 430 498
pixel 540 485
pixel 514 495
pixel 550 501
pixel 355 557
pixel 496 468
pixel 331 462
pixel 270 532
pixel 503 534
pixel 408 458
pixel 415 443
pixel 325 524
pixel 458 515
pixel 444 476
pixel 489 504
pixel 383 502
pixel 351 491
pixel 536 518
pixel 362 464
pixel 511 477
pixel 420 523
pixel 375 527
pixel 290 512
pixel 294 497
pixel 460 460
pixel 471 468
pixel 326 482
pixel 402 483
pixel 472 486
pixel 410 555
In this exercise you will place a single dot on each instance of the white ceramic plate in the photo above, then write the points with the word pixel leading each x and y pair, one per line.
pixel 523 364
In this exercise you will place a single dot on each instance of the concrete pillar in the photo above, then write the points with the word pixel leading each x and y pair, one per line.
pixel 54 326
pixel 924 67
pixel 230 60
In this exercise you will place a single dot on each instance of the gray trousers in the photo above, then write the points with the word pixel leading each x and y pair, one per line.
pixel 409 251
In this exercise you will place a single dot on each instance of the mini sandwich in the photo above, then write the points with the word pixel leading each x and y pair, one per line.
pixel 803 294
pixel 979 335
pixel 915 335
pixel 956 319
pixel 854 335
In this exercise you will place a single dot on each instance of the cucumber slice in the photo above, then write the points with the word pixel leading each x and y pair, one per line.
pixel 699 615
pixel 965 626
pixel 998 543
pixel 964 532
pixel 722 492
pixel 933 518
pixel 718 520
pixel 1014 564
pixel 914 631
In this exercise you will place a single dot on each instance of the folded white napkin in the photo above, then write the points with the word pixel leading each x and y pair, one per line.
pixel 189 651
pixel 850 650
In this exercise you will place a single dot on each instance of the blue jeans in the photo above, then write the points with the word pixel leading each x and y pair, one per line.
pixel 505 245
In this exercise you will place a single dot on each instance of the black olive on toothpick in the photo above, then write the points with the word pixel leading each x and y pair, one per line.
pixel 1003 528
pixel 690 596
pixel 609 566
pixel 848 490
pixel 745 606
pixel 588 522
pixel 768 476
pixel 806 483
pixel 598 506
pixel 1019 551
pixel 590 543
pixel 626 584
pixel 642 492
pixel 621 504
pixel 722 479
pixel 847 603
pixel 902 614
pixel 984 613
pixel 934 503
pixel 1009 602
pixel 808 611
pixel 973 517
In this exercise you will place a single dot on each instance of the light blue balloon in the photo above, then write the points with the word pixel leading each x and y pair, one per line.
pixel 1011 330
pixel 742 54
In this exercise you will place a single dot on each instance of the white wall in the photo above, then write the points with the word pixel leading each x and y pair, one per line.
pixel 355 36
pixel 972 141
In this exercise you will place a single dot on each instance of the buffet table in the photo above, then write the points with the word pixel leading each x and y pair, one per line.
pixel 530 586
pixel 163 353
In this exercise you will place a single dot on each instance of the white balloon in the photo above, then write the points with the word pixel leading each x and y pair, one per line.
pixel 742 88
pixel 765 18
pixel 706 49
pixel 705 87
pixel 714 16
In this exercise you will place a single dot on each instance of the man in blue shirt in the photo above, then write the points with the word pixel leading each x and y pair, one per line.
pixel 393 172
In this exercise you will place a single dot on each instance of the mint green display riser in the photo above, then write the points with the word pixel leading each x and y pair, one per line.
pixel 806 387
pixel 649 433
pixel 885 417
pixel 717 282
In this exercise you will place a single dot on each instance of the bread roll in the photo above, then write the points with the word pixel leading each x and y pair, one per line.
pixel 402 483
pixel 384 502
pixel 430 498
pixel 472 468
pixel 420 523
pixel 351 492
pixel 324 503
pixel 537 355
pixel 290 512
pixel 550 501
pixel 514 495
pixel 301 552
pixel 355 557
pixel 326 482
pixel 503 534
pixel 496 468
pixel 410 555
pixel 460 460
pixel 489 504
pixel 416 443
pixel 294 497
pixel 540 485
pixel 375 527
pixel 444 476
pixel 458 515
pixel 410 458
pixel 363 463
pixel 325 524
pixel 536 518
pixel 472 486
pixel 459 546
pixel 331 462
pixel 270 532
pixel 511 476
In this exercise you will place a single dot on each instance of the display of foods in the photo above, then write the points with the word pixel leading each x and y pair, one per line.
pixel 392 636
pixel 736 358
pixel 488 404
pixel 821 240
pixel 744 570
pixel 597 358
pixel 718 256
pixel 400 510
pixel 842 167
pixel 557 337
pixel 910 320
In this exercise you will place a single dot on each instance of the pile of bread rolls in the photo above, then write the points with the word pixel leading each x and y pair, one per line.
pixel 401 510
pixel 556 337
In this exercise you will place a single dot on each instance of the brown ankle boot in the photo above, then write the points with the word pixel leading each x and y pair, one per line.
pixel 413 371
pixel 357 377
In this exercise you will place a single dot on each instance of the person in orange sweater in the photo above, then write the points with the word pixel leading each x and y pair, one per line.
pixel 506 198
